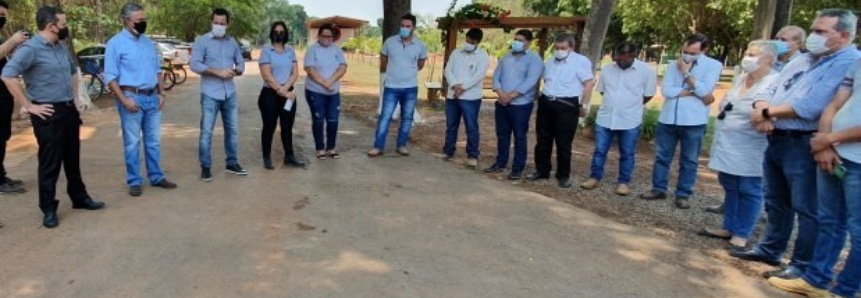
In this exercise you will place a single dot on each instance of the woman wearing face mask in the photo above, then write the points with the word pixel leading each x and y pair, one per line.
pixel 738 149
pixel 279 68
pixel 325 65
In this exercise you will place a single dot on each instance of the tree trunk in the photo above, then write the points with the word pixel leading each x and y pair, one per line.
pixel 782 14
pixel 596 30
pixel 763 19
pixel 393 10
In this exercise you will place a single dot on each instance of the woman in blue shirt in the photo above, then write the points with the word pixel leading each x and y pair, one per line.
pixel 280 69
pixel 325 65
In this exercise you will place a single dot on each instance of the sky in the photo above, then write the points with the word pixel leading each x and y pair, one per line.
pixel 369 10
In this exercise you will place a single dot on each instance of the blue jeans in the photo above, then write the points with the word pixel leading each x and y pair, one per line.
pixel 454 110
pixel 627 147
pixel 210 108
pixel 839 212
pixel 325 111
pixel 512 119
pixel 406 98
pixel 147 123
pixel 667 136
pixel 742 203
pixel 789 174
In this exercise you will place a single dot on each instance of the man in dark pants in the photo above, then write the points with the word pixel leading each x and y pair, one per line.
pixel 568 82
pixel 7 105
pixel 50 76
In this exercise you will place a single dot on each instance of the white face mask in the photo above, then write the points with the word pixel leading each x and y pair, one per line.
pixel 219 30
pixel 688 58
pixel 469 47
pixel 750 64
pixel 816 44
pixel 561 54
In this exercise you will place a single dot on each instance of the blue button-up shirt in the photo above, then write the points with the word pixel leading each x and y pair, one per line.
pixel 209 52
pixel 281 64
pixel 689 110
pixel 47 70
pixel 519 72
pixel 132 61
pixel 403 70
pixel 808 86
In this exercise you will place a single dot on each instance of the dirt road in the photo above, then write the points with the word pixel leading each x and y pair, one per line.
pixel 388 227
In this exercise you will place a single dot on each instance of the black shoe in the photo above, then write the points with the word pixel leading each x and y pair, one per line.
pixel 653 195
pixel 50 220
pixel 9 188
pixel 267 163
pixel 564 183
pixel 682 203
pixel 787 272
pixel 236 170
pixel 206 175
pixel 708 233
pixel 135 190
pixel 752 255
pixel 164 183
pixel 14 181
pixel 89 204
pixel 495 169
pixel 535 176
pixel 293 162
pixel 716 209
pixel 515 175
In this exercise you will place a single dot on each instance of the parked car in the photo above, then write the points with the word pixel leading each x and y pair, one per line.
pixel 176 43
pixel 177 56
pixel 246 49
pixel 94 53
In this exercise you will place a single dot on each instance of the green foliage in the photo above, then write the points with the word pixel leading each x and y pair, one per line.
pixel 363 45
pixel 186 19
pixel 281 10
pixel 471 13
pixel 650 123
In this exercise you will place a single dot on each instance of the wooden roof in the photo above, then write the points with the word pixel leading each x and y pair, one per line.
pixel 341 21
pixel 522 22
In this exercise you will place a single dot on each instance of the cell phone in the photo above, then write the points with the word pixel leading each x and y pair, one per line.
pixel 839 171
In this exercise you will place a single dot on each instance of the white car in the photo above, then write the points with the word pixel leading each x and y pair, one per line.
pixel 177 56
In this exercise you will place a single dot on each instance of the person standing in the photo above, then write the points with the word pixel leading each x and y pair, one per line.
pixel 217 59
pixel 50 76
pixel 325 65
pixel 568 82
pixel 687 88
pixel 401 58
pixel 133 72
pixel 515 82
pixel 465 74
pixel 280 70
pixel 790 45
pixel 7 104
pixel 626 85
pixel 788 112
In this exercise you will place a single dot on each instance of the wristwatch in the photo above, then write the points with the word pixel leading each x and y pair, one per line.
pixel 687 75
pixel 765 113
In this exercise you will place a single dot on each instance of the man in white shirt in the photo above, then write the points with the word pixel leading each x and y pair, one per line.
pixel 465 72
pixel 568 82
pixel 627 85
pixel 687 88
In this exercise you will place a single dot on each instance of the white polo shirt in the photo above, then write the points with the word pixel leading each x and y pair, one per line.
pixel 622 105
pixel 565 78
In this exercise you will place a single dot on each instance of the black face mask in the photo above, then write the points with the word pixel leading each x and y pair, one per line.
pixel 140 27
pixel 2 22
pixel 63 33
pixel 625 65
pixel 278 37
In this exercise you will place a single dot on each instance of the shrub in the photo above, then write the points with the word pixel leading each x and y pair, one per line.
pixel 650 123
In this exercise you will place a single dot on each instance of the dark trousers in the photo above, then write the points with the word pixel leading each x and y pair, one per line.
pixel 272 110
pixel 7 107
pixel 59 146
pixel 556 122
pixel 512 120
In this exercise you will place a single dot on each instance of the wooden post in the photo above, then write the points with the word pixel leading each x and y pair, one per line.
pixel 543 44
pixel 450 45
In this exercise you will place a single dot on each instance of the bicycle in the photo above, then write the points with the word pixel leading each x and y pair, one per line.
pixel 169 74
pixel 96 83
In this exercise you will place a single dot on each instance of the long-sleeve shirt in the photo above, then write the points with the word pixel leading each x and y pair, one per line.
pixel 132 61
pixel 519 72
pixel 808 85
pixel 689 110
pixel 47 69
pixel 468 70
pixel 209 52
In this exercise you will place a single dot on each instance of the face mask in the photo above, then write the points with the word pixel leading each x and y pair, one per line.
pixel 688 58
pixel 750 64
pixel 469 47
pixel 782 47
pixel 816 44
pixel 218 30
pixel 517 46
pixel 279 38
pixel 2 22
pixel 140 27
pixel 325 42
pixel 561 54
pixel 405 32
pixel 63 33
pixel 625 65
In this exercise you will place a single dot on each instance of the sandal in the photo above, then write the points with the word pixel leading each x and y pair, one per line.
pixel 321 155
pixel 333 154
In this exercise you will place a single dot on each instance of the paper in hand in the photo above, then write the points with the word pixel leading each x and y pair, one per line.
pixel 288 105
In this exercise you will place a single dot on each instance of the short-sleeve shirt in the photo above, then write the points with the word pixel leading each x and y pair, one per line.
pixel 403 70
pixel 280 63
pixel 624 90
pixel 849 115
pixel 565 78
pixel 47 70
pixel 326 60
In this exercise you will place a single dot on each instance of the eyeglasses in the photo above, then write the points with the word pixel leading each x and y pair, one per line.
pixel 792 81
pixel 326 36
pixel 727 108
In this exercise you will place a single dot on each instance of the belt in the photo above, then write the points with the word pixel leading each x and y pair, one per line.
pixel 136 90
pixel 792 133
pixel 570 101
pixel 68 103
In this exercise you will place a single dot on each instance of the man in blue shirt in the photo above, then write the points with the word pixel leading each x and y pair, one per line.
pixel 133 71
pixel 218 58
pixel 687 88
pixel 401 58
pixel 515 81
pixel 788 111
